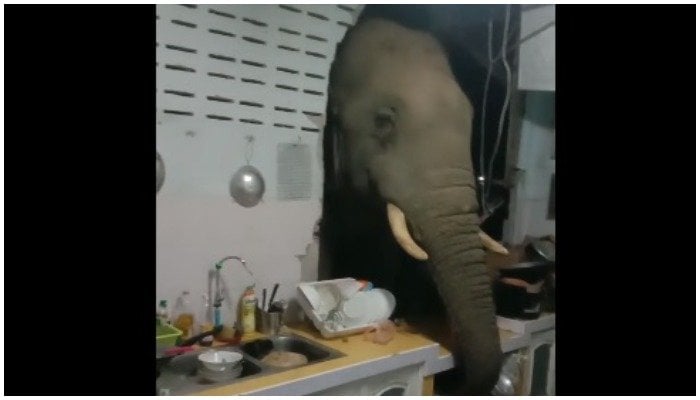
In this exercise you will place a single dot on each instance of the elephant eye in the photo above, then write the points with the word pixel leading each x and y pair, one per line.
pixel 384 120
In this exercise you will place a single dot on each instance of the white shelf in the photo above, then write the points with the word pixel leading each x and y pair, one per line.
pixel 544 322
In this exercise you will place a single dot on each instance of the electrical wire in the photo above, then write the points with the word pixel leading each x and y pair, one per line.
pixel 482 133
pixel 506 103
pixel 485 181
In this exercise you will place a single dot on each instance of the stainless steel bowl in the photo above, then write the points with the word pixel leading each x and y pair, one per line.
pixel 160 172
pixel 247 186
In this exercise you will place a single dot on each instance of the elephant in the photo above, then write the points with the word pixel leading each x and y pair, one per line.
pixel 399 199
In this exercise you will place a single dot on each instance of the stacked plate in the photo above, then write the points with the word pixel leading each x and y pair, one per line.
pixel 220 366
pixel 223 376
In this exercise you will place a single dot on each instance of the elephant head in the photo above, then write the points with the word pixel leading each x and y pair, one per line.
pixel 400 127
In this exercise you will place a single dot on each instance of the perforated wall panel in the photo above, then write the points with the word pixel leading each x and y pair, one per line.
pixel 247 65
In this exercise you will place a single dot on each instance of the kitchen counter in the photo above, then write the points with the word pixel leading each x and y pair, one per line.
pixel 362 359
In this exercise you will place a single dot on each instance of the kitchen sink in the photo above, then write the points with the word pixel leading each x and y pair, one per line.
pixel 186 365
pixel 314 352
pixel 180 376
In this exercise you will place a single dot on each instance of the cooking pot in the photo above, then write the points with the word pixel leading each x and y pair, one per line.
pixel 531 272
pixel 518 290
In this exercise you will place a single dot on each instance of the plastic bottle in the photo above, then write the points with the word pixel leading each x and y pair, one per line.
pixel 208 322
pixel 184 319
pixel 248 302
pixel 162 314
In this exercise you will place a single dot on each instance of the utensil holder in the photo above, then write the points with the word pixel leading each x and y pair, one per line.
pixel 269 323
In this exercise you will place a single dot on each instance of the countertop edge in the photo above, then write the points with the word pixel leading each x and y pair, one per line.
pixel 446 361
pixel 340 376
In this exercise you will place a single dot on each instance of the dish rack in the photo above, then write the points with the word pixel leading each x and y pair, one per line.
pixel 321 299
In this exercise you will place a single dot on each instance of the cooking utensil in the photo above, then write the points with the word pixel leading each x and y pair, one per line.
pixel 196 338
pixel 270 322
pixel 247 186
pixel 278 306
pixel 160 172
pixel 272 296
pixel 541 250
pixel 264 298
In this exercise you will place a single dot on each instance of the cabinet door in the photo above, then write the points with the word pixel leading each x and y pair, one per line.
pixel 540 365
pixel 398 390
pixel 406 381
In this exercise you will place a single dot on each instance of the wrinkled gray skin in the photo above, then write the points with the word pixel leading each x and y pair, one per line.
pixel 404 129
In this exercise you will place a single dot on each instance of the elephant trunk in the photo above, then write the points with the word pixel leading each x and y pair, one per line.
pixel 463 283
pixel 447 227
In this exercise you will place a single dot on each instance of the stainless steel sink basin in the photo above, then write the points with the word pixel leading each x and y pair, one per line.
pixel 180 377
pixel 314 352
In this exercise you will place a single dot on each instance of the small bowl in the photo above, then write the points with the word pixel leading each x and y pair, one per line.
pixel 219 361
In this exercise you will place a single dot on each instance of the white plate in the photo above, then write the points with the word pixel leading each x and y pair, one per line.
pixel 382 304
pixel 220 376
pixel 368 307
pixel 355 311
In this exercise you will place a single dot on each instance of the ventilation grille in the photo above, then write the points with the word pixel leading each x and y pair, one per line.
pixel 247 65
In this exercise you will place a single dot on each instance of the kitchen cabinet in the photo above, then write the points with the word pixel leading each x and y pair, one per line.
pixel 539 365
pixel 536 353
pixel 406 381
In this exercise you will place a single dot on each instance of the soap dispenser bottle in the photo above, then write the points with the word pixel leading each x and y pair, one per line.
pixel 247 307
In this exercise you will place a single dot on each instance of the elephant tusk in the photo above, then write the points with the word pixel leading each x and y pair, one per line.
pixel 491 244
pixel 397 222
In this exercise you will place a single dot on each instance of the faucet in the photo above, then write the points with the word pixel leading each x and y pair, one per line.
pixel 221 263
pixel 219 297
